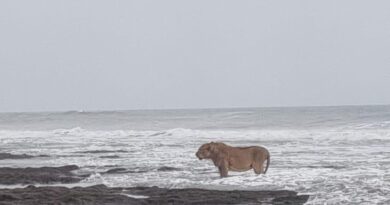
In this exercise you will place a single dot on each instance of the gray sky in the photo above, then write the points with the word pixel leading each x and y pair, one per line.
pixel 106 55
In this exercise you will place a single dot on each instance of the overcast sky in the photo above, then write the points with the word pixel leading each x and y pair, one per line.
pixel 108 55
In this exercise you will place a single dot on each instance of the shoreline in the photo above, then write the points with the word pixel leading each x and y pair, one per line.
pixel 38 190
pixel 101 194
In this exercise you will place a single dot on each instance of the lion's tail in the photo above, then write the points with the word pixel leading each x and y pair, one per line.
pixel 268 161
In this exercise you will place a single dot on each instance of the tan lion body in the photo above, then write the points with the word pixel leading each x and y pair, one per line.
pixel 228 158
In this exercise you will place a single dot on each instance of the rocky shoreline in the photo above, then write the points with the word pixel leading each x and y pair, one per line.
pixel 103 195
pixel 41 175
pixel 18 156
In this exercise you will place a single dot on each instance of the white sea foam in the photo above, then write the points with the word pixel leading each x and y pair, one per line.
pixel 135 196
pixel 334 166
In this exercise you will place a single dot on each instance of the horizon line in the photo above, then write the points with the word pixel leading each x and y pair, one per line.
pixel 194 108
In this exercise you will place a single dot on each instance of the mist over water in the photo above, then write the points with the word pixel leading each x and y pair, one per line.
pixel 338 155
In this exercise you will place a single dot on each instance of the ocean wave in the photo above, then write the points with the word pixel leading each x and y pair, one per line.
pixel 374 125
pixel 333 165
pixel 265 135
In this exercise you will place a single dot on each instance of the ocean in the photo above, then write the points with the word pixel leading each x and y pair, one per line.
pixel 338 155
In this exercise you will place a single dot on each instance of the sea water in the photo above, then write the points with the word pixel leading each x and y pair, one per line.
pixel 337 155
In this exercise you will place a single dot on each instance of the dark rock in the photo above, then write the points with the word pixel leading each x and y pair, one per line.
pixel 102 195
pixel 110 157
pixel 103 151
pixel 18 156
pixel 43 175
pixel 75 155
pixel 290 199
pixel 168 169
pixel 116 170
pixel 122 171
pixel 98 195
pixel 14 156
pixel 327 167
pixel 202 196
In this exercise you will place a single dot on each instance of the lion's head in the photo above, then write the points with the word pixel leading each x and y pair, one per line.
pixel 207 150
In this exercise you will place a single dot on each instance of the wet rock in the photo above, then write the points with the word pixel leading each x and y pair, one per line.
pixel 18 156
pixel 110 157
pixel 43 175
pixel 103 151
pixel 122 171
pixel 102 195
pixel 168 169
pixel 14 156
pixel 327 167
pixel 75 155
pixel 116 170
pixel 99 194
pixel 202 196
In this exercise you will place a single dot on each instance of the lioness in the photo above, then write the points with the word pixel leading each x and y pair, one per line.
pixel 227 158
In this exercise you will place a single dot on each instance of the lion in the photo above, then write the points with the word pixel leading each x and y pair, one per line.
pixel 228 158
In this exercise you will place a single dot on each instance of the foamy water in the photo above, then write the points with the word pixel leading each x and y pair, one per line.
pixel 347 164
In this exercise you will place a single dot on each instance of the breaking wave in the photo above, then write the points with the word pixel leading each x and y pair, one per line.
pixel 334 166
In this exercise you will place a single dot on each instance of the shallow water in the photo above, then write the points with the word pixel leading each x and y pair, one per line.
pixel 336 160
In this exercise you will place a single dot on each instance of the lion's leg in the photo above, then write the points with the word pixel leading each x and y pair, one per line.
pixel 223 169
pixel 258 167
